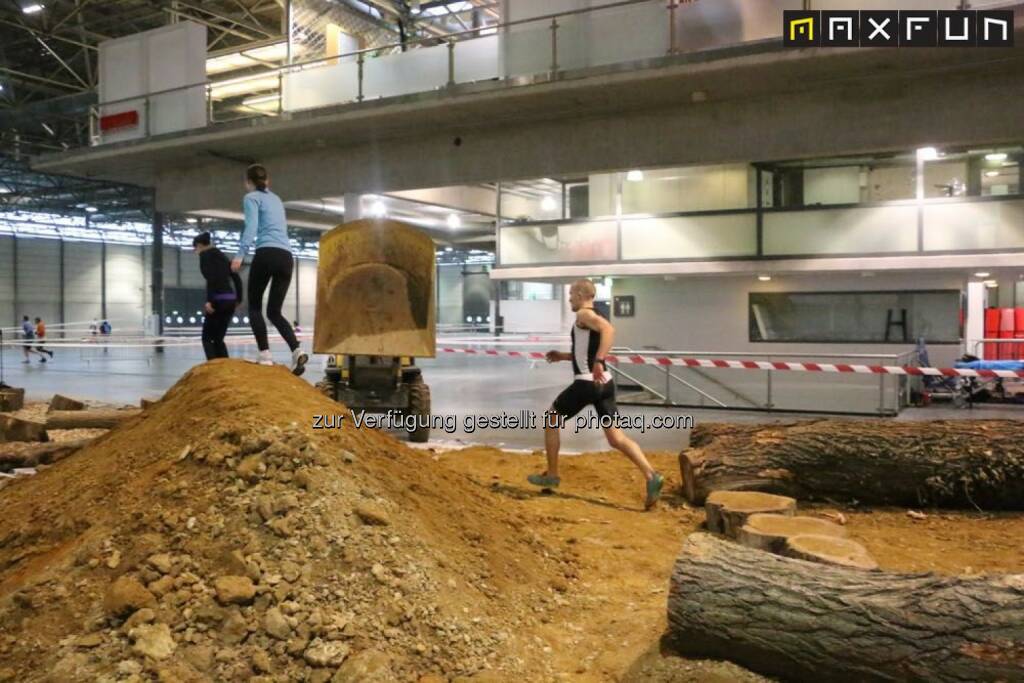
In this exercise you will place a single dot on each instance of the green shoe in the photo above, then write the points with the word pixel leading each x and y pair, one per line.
pixel 654 491
pixel 544 481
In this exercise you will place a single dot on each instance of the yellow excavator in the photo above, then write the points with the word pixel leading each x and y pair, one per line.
pixel 375 316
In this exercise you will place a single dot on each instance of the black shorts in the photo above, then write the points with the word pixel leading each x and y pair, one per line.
pixel 584 392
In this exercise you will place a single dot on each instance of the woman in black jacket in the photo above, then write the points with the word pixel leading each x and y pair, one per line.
pixel 223 294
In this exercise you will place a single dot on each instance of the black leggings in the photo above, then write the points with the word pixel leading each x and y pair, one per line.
pixel 215 327
pixel 272 265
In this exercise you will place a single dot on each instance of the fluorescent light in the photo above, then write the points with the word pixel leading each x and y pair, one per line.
pixel 447 248
pixel 764 278
pixel 548 203
pixel 927 153
pixel 454 222
pixel 34 8
pixel 267 104
pixel 242 86
pixel 991 283
pixel 635 176
pixel 996 156
pixel 981 274
pixel 1 87
pixel 991 174
pixel 378 210
pixel 193 221
pixel 244 59
pixel 91 209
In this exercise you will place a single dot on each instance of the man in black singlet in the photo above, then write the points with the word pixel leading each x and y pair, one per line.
pixel 592 337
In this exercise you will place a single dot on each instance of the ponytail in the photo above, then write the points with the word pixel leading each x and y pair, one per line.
pixel 257 175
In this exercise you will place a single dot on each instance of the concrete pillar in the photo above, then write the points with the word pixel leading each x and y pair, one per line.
pixel 157 267
pixel 353 206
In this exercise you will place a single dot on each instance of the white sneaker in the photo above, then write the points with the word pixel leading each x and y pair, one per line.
pixel 299 359
pixel 265 358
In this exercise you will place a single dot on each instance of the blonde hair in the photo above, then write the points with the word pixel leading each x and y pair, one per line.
pixel 586 288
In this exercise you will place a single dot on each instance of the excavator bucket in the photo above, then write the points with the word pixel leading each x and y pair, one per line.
pixel 375 291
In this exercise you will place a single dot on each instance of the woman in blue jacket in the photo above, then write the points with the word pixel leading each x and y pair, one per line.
pixel 272 263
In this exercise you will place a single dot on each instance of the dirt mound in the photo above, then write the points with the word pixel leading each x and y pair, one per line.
pixel 217 536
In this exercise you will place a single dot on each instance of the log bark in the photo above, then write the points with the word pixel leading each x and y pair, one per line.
pixel 16 429
pixel 41 454
pixel 801 621
pixel 60 402
pixel 950 463
pixel 727 511
pixel 88 419
pixel 11 399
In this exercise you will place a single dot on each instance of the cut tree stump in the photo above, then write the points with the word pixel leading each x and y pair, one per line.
pixel 829 550
pixel 800 621
pixel 88 419
pixel 16 429
pixel 59 402
pixel 11 399
pixel 727 511
pixel 769 532
pixel 953 463
pixel 41 454
pixel 145 403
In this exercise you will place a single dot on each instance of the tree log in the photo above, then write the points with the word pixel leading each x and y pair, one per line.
pixel 942 463
pixel 829 550
pixel 59 402
pixel 88 419
pixel 727 511
pixel 769 532
pixel 39 454
pixel 801 621
pixel 16 429
pixel 11 399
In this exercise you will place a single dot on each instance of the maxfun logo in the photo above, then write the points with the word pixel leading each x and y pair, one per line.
pixel 898 28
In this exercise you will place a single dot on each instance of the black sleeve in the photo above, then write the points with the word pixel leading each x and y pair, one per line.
pixel 206 268
pixel 237 280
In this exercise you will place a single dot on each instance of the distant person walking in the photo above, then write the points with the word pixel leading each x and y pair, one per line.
pixel 40 336
pixel 28 333
pixel 266 229
pixel 223 295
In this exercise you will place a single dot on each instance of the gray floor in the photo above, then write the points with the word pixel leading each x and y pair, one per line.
pixel 461 387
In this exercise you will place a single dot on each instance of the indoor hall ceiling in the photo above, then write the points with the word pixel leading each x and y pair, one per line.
pixel 48 48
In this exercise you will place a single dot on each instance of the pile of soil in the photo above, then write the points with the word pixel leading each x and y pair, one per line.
pixel 217 536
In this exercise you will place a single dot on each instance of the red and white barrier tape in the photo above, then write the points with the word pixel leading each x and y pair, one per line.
pixel 764 365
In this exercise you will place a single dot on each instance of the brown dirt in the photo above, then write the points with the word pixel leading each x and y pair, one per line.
pixel 475 573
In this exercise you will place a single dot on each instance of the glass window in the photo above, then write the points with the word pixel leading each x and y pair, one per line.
pixel 855 317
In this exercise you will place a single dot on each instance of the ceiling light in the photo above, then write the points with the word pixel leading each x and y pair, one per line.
pixel 991 174
pixel 34 8
pixel 548 203
pixel 415 8
pixel 635 176
pixel 764 278
pixel 927 153
pixel 981 274
pixel 193 221
pixel 378 210
pixel 91 209
pixel 991 283
pixel 447 248
pixel 243 86
pixel 996 156
pixel 454 222
pixel 1 87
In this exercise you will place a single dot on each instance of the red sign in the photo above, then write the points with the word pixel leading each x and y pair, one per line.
pixel 126 119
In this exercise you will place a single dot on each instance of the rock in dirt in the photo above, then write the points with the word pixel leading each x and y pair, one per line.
pixel 276 625
pixel 322 653
pixel 126 595
pixel 234 590
pixel 368 666
pixel 372 513
pixel 153 640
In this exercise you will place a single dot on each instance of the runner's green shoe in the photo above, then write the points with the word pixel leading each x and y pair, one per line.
pixel 654 490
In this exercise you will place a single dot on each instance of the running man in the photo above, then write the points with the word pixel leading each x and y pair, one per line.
pixel 28 333
pixel 223 295
pixel 40 336
pixel 272 264
pixel 592 337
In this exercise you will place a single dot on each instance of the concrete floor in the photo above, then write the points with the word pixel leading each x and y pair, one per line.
pixel 461 386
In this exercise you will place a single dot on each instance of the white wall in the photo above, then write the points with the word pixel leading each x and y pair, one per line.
pixel 710 313
pixel 832 185
pixel 532 316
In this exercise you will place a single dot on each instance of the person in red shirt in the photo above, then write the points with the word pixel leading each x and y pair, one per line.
pixel 41 335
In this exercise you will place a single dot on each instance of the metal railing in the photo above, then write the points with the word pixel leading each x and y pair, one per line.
pixel 893 390
pixel 976 346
